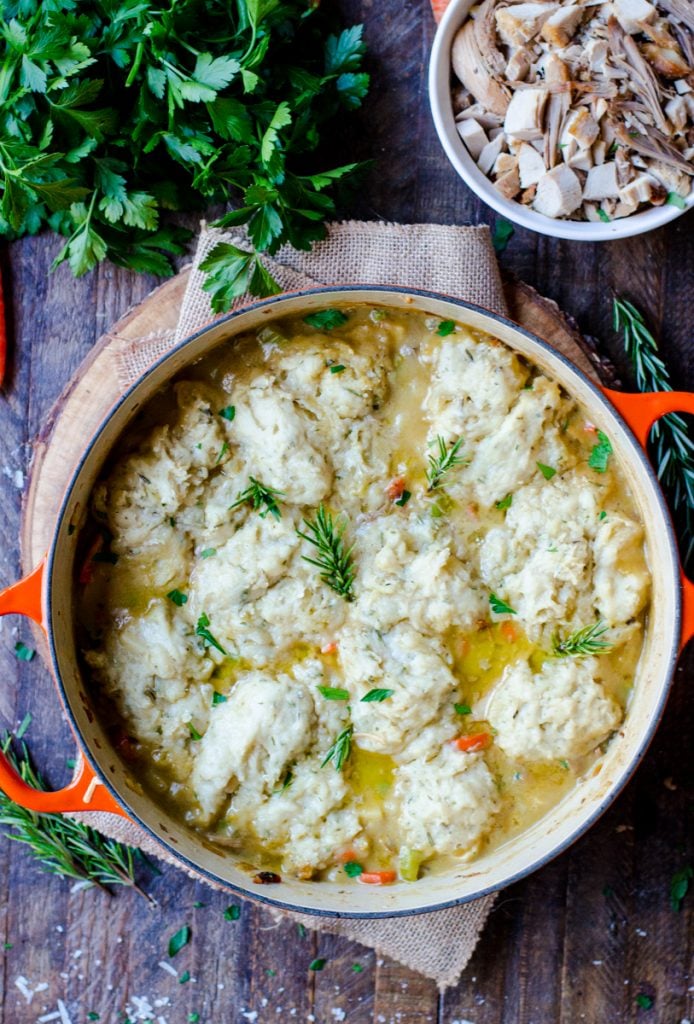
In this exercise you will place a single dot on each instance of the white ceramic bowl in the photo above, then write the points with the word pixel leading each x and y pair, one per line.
pixel 442 110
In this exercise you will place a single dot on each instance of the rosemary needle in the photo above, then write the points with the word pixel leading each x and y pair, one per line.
pixel 673 445
pixel 334 558
pixel 63 846
pixel 582 642
pixel 445 459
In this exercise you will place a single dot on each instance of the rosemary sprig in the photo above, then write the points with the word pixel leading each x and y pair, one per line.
pixel 673 445
pixel 63 846
pixel 582 642
pixel 340 750
pixel 334 558
pixel 260 498
pixel 440 463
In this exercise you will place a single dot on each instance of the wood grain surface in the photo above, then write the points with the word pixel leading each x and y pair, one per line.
pixel 576 942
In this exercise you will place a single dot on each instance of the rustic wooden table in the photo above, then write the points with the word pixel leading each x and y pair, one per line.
pixel 579 940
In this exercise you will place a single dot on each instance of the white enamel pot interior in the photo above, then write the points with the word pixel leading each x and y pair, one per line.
pixel 494 869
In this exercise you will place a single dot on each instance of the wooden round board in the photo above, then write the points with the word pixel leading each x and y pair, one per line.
pixel 94 389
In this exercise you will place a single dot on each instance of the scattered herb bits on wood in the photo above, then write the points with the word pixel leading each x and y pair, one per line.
pixel 179 939
pixel 318 964
pixel 22 652
pixel 117 113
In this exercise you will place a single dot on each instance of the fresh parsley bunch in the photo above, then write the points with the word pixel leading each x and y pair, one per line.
pixel 114 111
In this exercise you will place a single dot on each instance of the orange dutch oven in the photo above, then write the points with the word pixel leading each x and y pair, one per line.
pixel 103 782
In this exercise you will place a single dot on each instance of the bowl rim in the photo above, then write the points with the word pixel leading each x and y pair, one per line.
pixel 534 863
pixel 482 186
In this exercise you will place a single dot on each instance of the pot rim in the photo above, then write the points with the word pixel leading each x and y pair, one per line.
pixel 534 864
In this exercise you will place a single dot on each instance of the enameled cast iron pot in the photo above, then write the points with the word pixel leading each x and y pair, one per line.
pixel 102 782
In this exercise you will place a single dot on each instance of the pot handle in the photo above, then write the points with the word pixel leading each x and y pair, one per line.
pixel 85 792
pixel 640 412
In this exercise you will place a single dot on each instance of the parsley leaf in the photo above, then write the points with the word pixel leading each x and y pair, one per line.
pixel 177 597
pixel 504 503
pixel 462 709
pixel 318 964
pixel 228 412
pixel 353 869
pixel 547 471
pixel 180 939
pixel 232 913
pixel 202 630
pixel 500 607
pixel 403 499
pixel 204 103
pixel 326 319
pixel 679 886
pixel 502 234
pixel 376 696
pixel 333 693
pixel 22 652
pixel 600 455
pixel 445 328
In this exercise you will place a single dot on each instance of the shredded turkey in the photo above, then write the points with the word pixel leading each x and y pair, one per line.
pixel 595 102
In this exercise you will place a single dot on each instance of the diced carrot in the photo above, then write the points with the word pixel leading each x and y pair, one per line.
pixel 471 744
pixel 509 631
pixel 330 648
pixel 377 877
pixel 87 571
pixel 343 858
pixel 395 488
pixel 471 510
pixel 464 647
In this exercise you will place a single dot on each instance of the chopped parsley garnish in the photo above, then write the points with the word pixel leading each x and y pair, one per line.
pixel 202 630
pixel 504 503
pixel 357 968
pixel 679 886
pixel 194 734
pixel 172 522
pixel 502 234
pixel 337 369
pixel 232 913
pixel 462 709
pixel 218 698
pixel 582 642
pixel 500 607
pixel 445 328
pixel 178 597
pixel 222 452
pixel 340 750
pixel 603 215
pixel 326 319
pixel 547 471
pixel 22 652
pixel 376 696
pixel 675 199
pixel 600 454
pixel 403 499
pixel 644 1002
pixel 208 552
pixel 602 515
pixel 193 1018
pixel 93 1016
pixel 334 557
pixel 180 939
pixel 333 692
pixel 286 781
pixel 184 978
pixel 318 964
pixel 301 930
pixel 228 412
pixel 261 498
pixel 353 869
pixel 564 763
pixel 445 459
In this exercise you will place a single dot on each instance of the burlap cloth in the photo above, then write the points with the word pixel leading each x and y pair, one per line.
pixel 457 261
